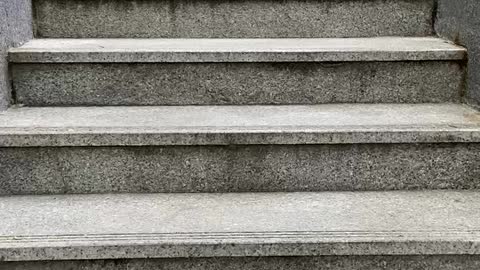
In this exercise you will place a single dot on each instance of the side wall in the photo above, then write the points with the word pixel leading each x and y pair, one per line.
pixel 459 20
pixel 15 28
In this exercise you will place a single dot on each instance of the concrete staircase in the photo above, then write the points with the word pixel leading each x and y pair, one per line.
pixel 154 134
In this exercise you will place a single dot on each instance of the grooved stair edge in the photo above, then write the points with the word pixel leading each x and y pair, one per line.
pixel 249 224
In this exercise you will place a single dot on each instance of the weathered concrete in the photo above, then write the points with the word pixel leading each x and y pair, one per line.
pixel 459 20
pixel 50 170
pixel 233 125
pixel 236 225
pixel 238 83
pixel 15 28
pixel 241 18
pixel 236 50
pixel 438 262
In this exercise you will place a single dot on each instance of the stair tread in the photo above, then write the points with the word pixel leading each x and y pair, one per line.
pixel 237 50
pixel 117 226
pixel 223 125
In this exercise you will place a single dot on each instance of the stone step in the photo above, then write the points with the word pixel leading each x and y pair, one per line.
pixel 100 72
pixel 232 19
pixel 239 148
pixel 236 50
pixel 386 230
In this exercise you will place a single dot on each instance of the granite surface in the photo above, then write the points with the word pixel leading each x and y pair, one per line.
pixel 240 168
pixel 459 21
pixel 239 125
pixel 15 28
pixel 238 83
pixel 439 262
pixel 236 50
pixel 241 18
pixel 128 226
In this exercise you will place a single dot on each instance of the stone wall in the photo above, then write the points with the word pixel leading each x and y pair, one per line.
pixel 459 20
pixel 15 28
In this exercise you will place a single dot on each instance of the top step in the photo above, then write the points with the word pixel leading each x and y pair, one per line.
pixel 236 50
pixel 232 19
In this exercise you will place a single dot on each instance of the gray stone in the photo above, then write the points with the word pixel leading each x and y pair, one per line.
pixel 129 226
pixel 240 168
pixel 15 28
pixel 438 262
pixel 5 86
pixel 459 21
pixel 239 125
pixel 237 83
pixel 155 72
pixel 264 148
pixel 236 50
pixel 234 19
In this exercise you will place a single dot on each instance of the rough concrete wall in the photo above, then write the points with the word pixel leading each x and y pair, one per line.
pixel 15 28
pixel 459 20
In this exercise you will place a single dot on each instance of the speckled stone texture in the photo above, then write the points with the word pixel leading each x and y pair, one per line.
pixel 238 83
pixel 445 262
pixel 4 83
pixel 241 18
pixel 239 168
pixel 234 50
pixel 212 225
pixel 239 125
pixel 15 28
pixel 459 20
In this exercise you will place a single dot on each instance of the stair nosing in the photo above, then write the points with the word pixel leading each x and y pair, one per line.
pixel 433 236
pixel 239 125
pixel 236 50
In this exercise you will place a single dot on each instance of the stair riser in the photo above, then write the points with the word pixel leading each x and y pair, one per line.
pixel 235 19
pixel 238 83
pixel 445 262
pixel 239 168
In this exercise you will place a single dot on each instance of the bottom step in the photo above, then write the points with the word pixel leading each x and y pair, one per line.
pixel 368 230
pixel 438 262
